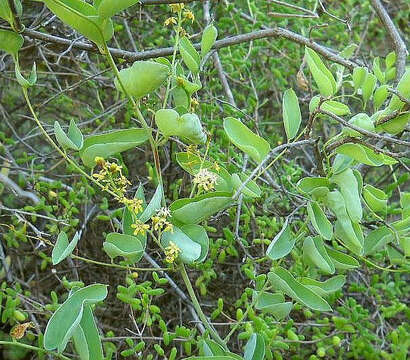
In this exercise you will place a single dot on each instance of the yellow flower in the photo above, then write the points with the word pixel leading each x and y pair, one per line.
pixel 159 221
pixel 140 228
pixel 172 252
pixel 135 205
pixel 176 7
pixel 170 21
pixel 99 161
pixel 216 166
pixel 188 14
pixel 206 179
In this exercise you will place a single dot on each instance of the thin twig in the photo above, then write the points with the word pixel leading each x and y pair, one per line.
pixel 265 160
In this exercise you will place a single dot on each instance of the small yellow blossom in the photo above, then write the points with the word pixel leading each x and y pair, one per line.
pixel 135 205
pixel 188 14
pixel 216 166
pixel 99 161
pixel 177 7
pixel 172 252
pixel 139 228
pixel 170 21
pixel 160 222
pixel 206 180
pixel 194 102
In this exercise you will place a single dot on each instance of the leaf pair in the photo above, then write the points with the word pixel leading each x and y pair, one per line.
pixel 63 248
pixel 314 253
pixel 74 319
pixel 274 304
pixel 73 139
pixel 188 126
pixel 365 155
pixel 283 280
pixel 190 56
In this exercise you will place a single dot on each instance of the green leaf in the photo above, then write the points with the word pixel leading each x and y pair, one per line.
pixel 82 17
pixel 272 303
pixel 190 250
pixel 108 8
pixel 359 75
pixel 188 126
pixel 73 140
pixel 321 74
pixel 341 163
pixel 395 125
pixel 375 198
pixel 319 220
pixel 377 239
pixel 378 71
pixel 314 253
pixel 153 206
pixel 365 155
pixel 142 78
pixel 195 210
pixel 86 338
pixel 403 87
pixel 67 317
pixel 127 246
pixel 210 348
pixel 347 183
pixel 292 117
pixel 255 348
pixel 390 60
pixel 10 41
pixel 362 121
pixel 251 189
pixel 62 249
pixel 283 280
pixel 226 357
pixel 326 287
pixel 208 39
pixel 342 260
pixel 380 96
pixel 282 244
pixel 368 87
pixel 316 186
pixel 110 143
pixel 332 106
pixel 198 234
pixel 192 164
pixel 349 233
pixel 247 141
pixel 189 55
pixel 26 83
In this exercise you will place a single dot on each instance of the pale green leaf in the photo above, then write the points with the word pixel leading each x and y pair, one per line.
pixel 247 141
pixel 274 304
pixel 314 253
pixel 73 139
pixel 283 280
pixel 195 210
pixel 62 249
pixel 292 117
pixel 375 198
pixel 110 143
pixel 67 317
pixel 365 155
pixel 190 250
pixel 282 244
pixel 127 246
pixel 255 348
pixel 341 260
pixel 108 8
pixel 208 39
pixel 319 220
pixel 10 41
pixel 189 55
pixel 326 287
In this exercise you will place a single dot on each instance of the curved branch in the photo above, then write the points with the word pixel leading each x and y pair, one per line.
pixel 226 42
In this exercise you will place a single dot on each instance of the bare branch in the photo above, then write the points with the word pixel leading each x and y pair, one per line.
pixel 226 42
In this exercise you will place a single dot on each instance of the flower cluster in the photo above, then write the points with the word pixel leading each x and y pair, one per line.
pixel 177 7
pixel 160 222
pixel 139 227
pixel 135 205
pixel 110 175
pixel 206 180
pixel 172 252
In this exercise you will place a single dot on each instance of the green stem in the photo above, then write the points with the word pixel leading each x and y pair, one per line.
pixel 136 108
pixel 198 309
pixel 34 348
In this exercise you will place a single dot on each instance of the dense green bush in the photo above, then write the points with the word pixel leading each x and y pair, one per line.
pixel 236 192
